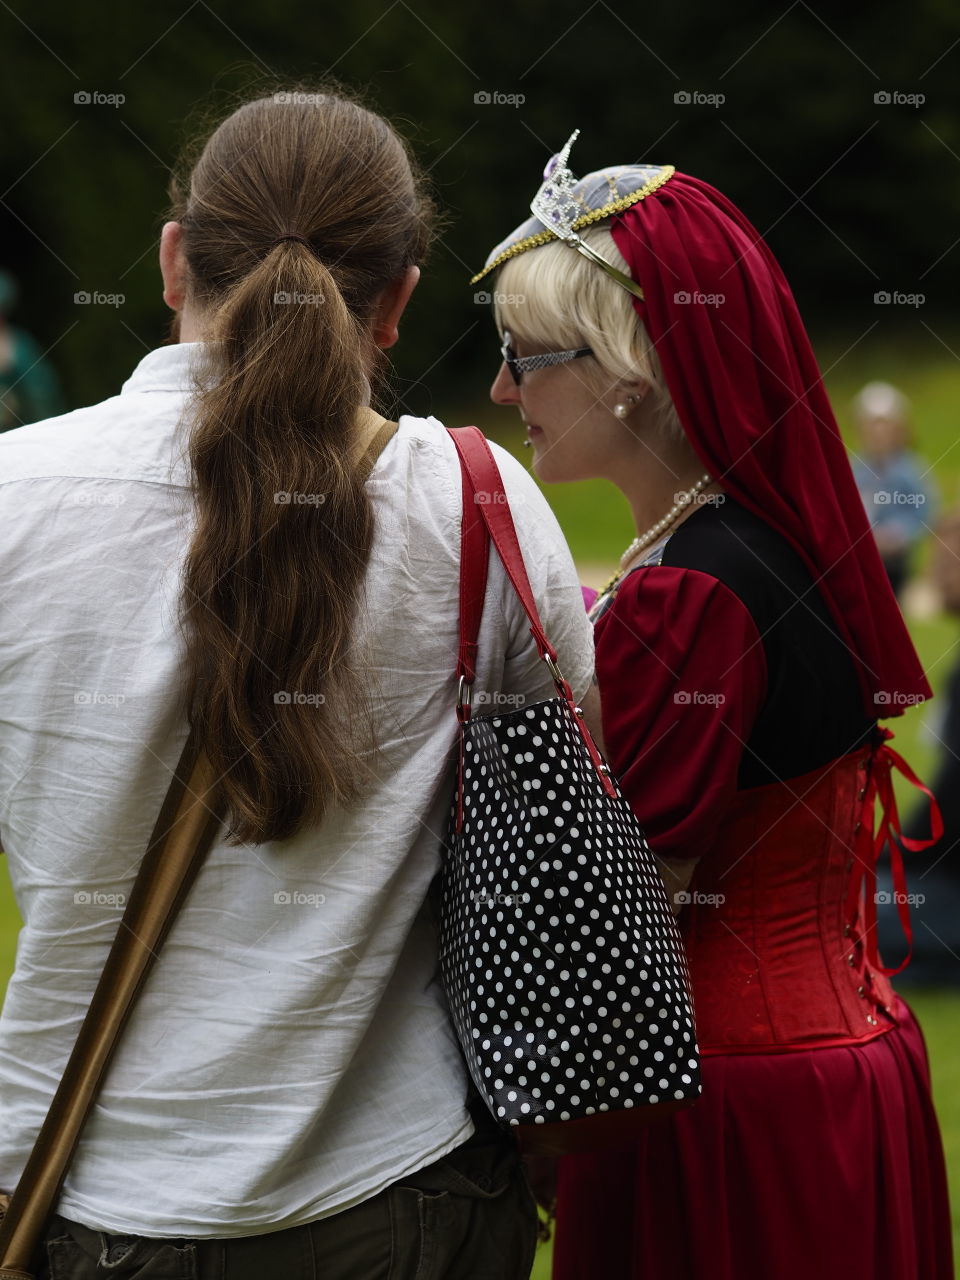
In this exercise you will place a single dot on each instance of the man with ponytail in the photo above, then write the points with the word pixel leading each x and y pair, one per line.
pixel 239 543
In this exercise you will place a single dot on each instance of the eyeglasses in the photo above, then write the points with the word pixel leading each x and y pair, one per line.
pixel 519 365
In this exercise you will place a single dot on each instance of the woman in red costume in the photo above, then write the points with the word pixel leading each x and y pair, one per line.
pixel 745 652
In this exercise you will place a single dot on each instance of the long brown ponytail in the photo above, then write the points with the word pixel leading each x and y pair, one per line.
pixel 274 573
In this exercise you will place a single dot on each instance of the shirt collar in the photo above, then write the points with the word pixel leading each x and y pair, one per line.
pixel 168 368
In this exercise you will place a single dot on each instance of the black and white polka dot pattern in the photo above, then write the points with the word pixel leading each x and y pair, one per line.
pixel 562 964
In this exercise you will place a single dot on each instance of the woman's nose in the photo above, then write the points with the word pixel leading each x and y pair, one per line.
pixel 504 390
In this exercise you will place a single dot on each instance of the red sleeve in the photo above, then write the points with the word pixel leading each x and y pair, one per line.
pixel 682 677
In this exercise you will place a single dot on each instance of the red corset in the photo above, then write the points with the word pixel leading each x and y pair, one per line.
pixel 781 925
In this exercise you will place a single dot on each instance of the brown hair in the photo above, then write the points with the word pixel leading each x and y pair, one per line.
pixel 272 583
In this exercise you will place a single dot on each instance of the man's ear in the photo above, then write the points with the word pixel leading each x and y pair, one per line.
pixel 173 265
pixel 391 306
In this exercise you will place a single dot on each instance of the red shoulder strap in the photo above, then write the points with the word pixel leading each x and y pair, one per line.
pixel 479 464
pixel 487 512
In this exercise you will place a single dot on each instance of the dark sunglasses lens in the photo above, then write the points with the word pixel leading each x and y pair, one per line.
pixel 510 358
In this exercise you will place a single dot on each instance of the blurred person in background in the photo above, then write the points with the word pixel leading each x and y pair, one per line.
pixel 745 649
pixel 29 385
pixel 935 872
pixel 211 548
pixel 894 482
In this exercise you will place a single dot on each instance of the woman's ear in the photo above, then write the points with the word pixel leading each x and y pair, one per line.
pixel 173 266
pixel 635 388
pixel 391 306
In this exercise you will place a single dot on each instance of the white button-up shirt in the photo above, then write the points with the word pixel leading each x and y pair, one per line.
pixel 291 1054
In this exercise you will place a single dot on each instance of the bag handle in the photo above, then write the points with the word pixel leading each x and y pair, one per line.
pixel 483 489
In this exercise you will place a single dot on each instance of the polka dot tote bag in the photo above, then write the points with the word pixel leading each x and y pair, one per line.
pixel 560 957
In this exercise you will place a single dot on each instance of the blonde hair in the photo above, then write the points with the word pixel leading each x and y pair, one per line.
pixel 555 297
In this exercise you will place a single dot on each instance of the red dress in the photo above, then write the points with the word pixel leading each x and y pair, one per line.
pixel 814 1150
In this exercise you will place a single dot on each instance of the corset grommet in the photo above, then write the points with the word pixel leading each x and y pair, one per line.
pixel 861 992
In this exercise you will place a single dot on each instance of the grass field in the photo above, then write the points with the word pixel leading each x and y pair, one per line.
pixel 597 522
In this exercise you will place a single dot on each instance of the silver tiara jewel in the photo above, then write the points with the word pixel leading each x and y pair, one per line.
pixel 557 206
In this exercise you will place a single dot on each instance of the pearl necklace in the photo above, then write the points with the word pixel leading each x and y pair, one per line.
pixel 644 540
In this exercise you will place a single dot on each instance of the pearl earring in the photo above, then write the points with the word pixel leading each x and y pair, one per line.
pixel 623 408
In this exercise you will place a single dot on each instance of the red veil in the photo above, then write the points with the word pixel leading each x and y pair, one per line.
pixel 745 382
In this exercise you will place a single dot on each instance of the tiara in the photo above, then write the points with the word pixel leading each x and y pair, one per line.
pixel 556 206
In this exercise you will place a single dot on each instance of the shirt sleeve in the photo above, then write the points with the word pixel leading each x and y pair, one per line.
pixel 682 676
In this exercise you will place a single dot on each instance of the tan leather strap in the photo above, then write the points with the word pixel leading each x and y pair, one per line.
pixel 376 447
pixel 184 831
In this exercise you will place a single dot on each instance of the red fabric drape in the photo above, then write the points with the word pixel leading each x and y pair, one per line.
pixel 746 385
